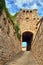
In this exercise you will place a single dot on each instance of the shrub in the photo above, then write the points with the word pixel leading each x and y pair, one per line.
pixel 17 29
pixel 19 36
pixel 1 8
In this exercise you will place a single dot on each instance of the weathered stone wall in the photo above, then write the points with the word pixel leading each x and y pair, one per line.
pixel 37 45
pixel 28 20
pixel 9 43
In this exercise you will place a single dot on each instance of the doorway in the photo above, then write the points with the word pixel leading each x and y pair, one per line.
pixel 27 40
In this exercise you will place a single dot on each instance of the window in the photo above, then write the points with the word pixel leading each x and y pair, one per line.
pixel 37 18
pixel 27 19
pixel 4 19
pixel 23 11
pixel 5 22
pixel 27 11
pixel 30 11
pixel 34 18
pixel 9 21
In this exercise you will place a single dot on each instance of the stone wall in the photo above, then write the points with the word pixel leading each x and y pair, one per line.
pixel 28 20
pixel 9 43
pixel 37 44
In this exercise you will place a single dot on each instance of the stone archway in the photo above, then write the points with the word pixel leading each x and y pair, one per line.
pixel 27 37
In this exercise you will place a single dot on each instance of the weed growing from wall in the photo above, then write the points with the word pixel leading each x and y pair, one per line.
pixel 17 29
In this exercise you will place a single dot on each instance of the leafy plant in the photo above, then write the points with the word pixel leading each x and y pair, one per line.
pixel 17 29
pixel 12 18
pixel 19 36
pixel 1 7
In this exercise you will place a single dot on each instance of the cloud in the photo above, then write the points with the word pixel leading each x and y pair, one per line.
pixel 15 5
pixel 9 3
pixel 40 11
pixel 40 2
pixel 40 7
pixel 27 3
pixel 34 6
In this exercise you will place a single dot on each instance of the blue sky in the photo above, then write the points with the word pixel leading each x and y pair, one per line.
pixel 24 44
pixel 15 5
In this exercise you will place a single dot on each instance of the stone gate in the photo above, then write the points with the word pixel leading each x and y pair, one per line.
pixel 28 21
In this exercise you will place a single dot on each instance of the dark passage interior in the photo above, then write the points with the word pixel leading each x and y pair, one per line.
pixel 27 37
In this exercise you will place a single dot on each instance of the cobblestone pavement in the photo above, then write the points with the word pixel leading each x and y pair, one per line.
pixel 24 58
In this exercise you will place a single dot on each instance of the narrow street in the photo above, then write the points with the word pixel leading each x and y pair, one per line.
pixel 24 58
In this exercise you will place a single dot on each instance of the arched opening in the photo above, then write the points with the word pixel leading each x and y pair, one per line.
pixel 26 40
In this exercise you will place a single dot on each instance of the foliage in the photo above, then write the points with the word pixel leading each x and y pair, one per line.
pixel 12 18
pixel 1 7
pixel 19 36
pixel 16 15
pixel 17 29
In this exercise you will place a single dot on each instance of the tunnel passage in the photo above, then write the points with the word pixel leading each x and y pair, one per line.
pixel 27 37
